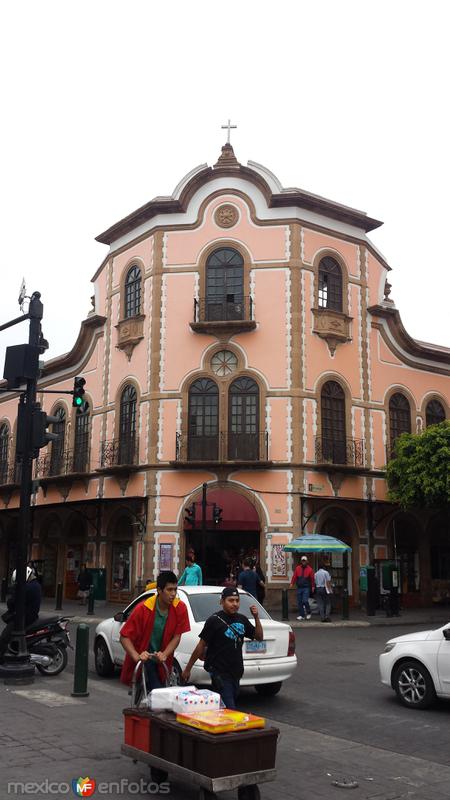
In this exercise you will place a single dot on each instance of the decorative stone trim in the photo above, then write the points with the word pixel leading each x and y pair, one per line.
pixel 226 216
pixel 130 332
pixel 333 326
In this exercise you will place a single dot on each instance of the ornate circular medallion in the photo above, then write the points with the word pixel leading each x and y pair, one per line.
pixel 226 216
pixel 223 363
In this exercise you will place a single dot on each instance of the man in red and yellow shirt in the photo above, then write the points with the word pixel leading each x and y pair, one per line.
pixel 154 627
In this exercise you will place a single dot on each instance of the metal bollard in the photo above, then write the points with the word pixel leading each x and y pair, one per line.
pixel 284 604
pixel 345 614
pixel 59 592
pixel 3 590
pixel 90 610
pixel 80 675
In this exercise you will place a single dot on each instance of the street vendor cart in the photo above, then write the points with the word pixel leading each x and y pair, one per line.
pixel 214 762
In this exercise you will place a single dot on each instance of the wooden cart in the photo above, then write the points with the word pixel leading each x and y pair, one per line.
pixel 213 762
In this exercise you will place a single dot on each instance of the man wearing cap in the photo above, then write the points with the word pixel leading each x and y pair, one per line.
pixel 220 646
pixel 303 579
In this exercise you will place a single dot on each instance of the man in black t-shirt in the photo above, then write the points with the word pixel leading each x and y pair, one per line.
pixel 220 646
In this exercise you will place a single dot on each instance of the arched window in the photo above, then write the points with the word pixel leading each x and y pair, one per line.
pixel 4 446
pixel 57 453
pixel 203 430
pixel 330 284
pixel 81 441
pixel 243 420
pixel 133 292
pixel 127 426
pixel 435 413
pixel 333 446
pixel 399 417
pixel 225 285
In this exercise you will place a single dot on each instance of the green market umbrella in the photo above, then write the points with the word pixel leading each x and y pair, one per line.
pixel 316 543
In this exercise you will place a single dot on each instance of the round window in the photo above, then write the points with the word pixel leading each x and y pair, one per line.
pixel 223 363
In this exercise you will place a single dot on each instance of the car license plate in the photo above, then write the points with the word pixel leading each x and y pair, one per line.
pixel 255 647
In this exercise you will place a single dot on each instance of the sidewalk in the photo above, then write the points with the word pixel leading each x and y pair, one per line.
pixel 434 616
pixel 49 736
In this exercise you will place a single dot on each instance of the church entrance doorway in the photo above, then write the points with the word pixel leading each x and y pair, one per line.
pixel 230 534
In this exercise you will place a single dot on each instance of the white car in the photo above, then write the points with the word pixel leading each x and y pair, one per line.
pixel 417 666
pixel 266 664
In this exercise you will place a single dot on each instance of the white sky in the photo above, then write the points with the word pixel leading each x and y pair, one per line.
pixel 106 104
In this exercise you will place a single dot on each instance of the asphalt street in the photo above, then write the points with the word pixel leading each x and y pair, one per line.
pixel 337 723
pixel 336 691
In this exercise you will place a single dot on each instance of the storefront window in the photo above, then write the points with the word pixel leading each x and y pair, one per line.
pixel 121 567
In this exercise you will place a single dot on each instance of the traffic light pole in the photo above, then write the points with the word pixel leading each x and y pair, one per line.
pixel 17 667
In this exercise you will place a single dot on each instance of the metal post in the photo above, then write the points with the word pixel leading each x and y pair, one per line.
pixel 59 592
pixel 90 609
pixel 284 604
pixel 80 675
pixel 17 668
pixel 204 529
pixel 345 601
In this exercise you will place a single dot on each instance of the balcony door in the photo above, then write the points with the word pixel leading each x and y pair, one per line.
pixel 4 445
pixel 243 420
pixel 81 441
pixel 333 423
pixel 57 454
pixel 127 426
pixel 224 285
pixel 203 433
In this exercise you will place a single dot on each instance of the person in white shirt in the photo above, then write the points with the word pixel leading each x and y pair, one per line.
pixel 322 580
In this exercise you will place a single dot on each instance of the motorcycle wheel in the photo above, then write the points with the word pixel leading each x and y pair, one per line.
pixel 57 664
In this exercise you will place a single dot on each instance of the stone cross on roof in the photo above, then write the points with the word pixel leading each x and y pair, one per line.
pixel 228 127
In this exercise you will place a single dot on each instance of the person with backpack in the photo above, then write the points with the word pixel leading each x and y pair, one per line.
pixel 220 646
pixel 303 579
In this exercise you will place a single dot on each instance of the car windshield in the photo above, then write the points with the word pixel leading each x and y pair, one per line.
pixel 203 605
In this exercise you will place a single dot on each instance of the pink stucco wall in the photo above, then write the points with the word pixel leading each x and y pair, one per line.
pixel 314 242
pixel 182 349
pixel 267 347
pixel 263 243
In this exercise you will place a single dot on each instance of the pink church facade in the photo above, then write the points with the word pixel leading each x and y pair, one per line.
pixel 242 336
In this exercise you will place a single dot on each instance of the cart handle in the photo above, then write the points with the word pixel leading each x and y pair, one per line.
pixel 134 681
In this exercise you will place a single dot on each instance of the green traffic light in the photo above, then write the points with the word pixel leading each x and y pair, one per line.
pixel 78 401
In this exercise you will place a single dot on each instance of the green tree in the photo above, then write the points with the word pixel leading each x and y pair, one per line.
pixel 419 473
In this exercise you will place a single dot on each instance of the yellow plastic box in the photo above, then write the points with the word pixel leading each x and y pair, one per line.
pixel 222 721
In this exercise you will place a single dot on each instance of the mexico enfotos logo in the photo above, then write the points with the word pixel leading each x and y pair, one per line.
pixel 87 787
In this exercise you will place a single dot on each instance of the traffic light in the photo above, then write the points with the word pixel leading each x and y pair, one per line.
pixel 217 514
pixel 190 515
pixel 78 392
pixel 40 436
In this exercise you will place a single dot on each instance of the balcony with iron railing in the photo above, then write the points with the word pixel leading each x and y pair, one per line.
pixel 223 447
pixel 10 474
pixel 341 452
pixel 120 454
pixel 58 464
pixel 228 314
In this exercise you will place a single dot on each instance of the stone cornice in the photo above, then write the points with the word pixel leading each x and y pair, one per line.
pixel 422 350
pixel 291 197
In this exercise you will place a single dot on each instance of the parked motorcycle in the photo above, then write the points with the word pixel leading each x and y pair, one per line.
pixel 47 641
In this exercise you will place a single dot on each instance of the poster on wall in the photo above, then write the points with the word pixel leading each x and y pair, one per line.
pixel 165 557
pixel 279 565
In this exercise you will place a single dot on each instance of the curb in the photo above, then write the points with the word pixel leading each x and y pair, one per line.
pixel 389 622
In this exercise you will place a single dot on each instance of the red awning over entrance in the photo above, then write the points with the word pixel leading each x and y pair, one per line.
pixel 238 513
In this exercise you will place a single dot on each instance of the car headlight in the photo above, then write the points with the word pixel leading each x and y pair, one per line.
pixel 389 646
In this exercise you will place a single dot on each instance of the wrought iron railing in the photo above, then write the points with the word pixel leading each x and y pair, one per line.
pixel 10 473
pixel 230 307
pixel 66 462
pixel 119 452
pixel 348 452
pixel 223 446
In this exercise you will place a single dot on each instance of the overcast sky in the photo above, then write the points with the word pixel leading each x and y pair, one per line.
pixel 106 104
